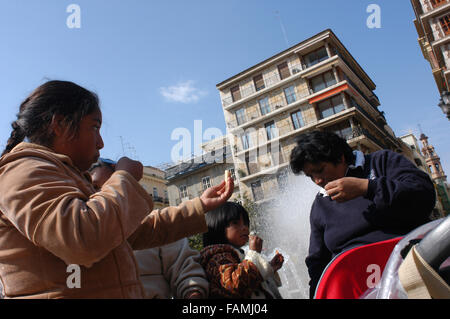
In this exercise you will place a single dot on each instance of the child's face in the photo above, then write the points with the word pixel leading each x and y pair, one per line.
pixel 237 232
pixel 84 148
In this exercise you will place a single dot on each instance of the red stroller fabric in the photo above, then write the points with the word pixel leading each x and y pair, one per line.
pixel 354 271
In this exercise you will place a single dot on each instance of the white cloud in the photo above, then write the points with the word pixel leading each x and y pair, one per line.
pixel 183 92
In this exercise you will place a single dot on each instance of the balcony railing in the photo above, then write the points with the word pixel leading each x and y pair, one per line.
pixel 274 105
pixel 360 131
pixel 437 3
pixel 160 199
pixel 268 82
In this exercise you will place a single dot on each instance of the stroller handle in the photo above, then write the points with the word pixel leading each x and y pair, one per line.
pixel 435 246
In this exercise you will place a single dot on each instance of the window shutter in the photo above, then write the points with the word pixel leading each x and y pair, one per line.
pixel 259 82
pixel 235 93
pixel 284 70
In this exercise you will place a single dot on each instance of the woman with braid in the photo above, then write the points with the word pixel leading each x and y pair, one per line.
pixel 52 217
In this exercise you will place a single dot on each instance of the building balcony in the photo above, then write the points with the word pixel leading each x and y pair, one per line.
pixel 358 134
pixel 159 199
pixel 269 82
pixel 432 10
pixel 275 107
pixel 275 81
pixel 281 105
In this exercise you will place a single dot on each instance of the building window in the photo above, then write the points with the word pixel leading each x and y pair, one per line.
pixel 257 191
pixel 166 195
pixel 271 130
pixel 297 119
pixel 246 141
pixel 445 24
pixel 259 82
pixel 264 106
pixel 437 167
pixel 155 192
pixel 283 69
pixel 437 3
pixel 323 81
pixel 331 106
pixel 206 182
pixel 289 92
pixel 240 116
pixel 235 93
pixel 316 57
pixel 183 191
pixel 342 129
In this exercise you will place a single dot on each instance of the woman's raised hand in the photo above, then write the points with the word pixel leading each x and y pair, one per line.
pixel 135 168
pixel 215 196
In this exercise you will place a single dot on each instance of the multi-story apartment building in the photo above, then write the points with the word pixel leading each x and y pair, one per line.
pixel 315 84
pixel 154 183
pixel 433 27
pixel 191 178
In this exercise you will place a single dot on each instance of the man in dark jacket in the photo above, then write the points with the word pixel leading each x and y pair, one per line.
pixel 364 198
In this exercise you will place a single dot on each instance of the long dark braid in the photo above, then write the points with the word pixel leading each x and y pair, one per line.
pixel 17 136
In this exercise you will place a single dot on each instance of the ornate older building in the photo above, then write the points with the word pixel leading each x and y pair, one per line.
pixel 154 183
pixel 190 178
pixel 437 173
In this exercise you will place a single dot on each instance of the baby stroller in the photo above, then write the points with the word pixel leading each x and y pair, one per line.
pixel 415 266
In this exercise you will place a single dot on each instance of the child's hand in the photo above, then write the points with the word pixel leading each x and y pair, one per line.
pixel 135 168
pixel 347 188
pixel 255 243
pixel 277 262
pixel 215 196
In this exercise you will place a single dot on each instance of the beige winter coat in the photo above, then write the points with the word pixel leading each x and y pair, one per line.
pixel 171 271
pixel 51 217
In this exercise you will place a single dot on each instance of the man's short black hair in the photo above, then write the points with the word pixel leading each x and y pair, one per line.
pixel 319 146
pixel 219 219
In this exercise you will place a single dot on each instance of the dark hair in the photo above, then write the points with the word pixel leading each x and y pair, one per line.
pixel 63 98
pixel 103 162
pixel 317 146
pixel 219 219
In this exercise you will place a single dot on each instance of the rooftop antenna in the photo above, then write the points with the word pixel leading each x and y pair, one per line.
pixel 277 13
pixel 123 149
pixel 130 148
pixel 420 129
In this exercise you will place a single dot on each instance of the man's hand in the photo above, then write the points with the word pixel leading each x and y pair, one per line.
pixel 215 196
pixel 347 188
pixel 135 168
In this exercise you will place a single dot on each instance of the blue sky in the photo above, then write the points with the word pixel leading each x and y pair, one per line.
pixel 155 64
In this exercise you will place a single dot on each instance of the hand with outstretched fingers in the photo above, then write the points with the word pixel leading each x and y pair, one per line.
pixel 215 196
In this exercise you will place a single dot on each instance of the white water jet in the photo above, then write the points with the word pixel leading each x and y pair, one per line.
pixel 284 226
